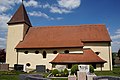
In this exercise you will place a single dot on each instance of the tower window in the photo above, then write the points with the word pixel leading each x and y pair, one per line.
pixel 55 52
pixel 26 52
pixel 44 54
pixel 36 52
pixel 66 51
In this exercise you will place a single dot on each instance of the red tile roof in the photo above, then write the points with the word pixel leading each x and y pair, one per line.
pixel 88 56
pixel 20 16
pixel 63 36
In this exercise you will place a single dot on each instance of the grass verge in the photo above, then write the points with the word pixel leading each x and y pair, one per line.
pixel 115 72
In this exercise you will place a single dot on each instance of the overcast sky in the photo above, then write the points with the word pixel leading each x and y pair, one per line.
pixel 65 12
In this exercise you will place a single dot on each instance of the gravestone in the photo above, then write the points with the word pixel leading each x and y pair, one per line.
pixel 4 67
pixel 40 68
pixel 90 76
pixel 72 77
pixel 18 67
pixel 83 70
pixel 60 67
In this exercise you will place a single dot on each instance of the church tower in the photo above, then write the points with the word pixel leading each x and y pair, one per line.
pixel 18 26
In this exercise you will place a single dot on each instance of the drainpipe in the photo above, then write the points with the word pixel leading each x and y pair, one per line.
pixel 17 56
pixel 109 57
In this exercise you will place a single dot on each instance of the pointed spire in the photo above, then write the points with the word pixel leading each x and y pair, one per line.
pixel 20 16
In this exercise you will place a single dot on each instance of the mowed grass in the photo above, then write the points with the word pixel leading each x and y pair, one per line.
pixel 9 77
pixel 15 75
pixel 115 72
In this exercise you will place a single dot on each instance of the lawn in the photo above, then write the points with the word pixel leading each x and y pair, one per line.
pixel 12 75
pixel 115 72
pixel 9 77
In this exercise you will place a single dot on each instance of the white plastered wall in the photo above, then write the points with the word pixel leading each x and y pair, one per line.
pixel 105 53
pixel 15 35
pixel 37 59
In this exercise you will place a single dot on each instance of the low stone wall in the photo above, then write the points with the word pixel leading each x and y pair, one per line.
pixel 31 77
pixel 106 78
pixel 4 67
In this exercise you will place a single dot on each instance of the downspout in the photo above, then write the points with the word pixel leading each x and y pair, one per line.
pixel 17 56
pixel 109 57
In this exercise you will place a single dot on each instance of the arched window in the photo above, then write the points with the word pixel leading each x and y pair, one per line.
pixel 66 51
pixel 44 54
pixel 36 52
pixel 26 52
pixel 55 52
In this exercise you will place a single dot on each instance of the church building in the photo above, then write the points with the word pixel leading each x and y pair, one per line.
pixel 57 45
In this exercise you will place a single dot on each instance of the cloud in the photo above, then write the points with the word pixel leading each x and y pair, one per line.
pixel 7 4
pixel 65 6
pixel 3 21
pixel 69 4
pixel 116 40
pixel 3 34
pixel 40 14
pixel 46 6
pixel 32 3
pixel 2 42
pixel 115 45
pixel 54 9
pixel 118 31
pixel 117 34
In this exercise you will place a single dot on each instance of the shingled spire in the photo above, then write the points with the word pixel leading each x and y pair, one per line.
pixel 20 16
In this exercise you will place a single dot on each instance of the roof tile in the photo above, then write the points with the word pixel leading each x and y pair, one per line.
pixel 88 56
pixel 63 36
pixel 20 16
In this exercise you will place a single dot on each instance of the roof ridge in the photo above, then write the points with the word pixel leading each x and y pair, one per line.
pixel 57 26
pixel 93 24
pixel 81 25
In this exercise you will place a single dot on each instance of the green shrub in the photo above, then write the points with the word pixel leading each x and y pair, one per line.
pixel 54 72
pixel 57 75
pixel 91 69
pixel 60 74
pixel 74 69
pixel 66 72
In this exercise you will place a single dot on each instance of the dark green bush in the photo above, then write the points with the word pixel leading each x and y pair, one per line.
pixel 74 69
pixel 91 69
pixel 66 72
pixel 54 72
